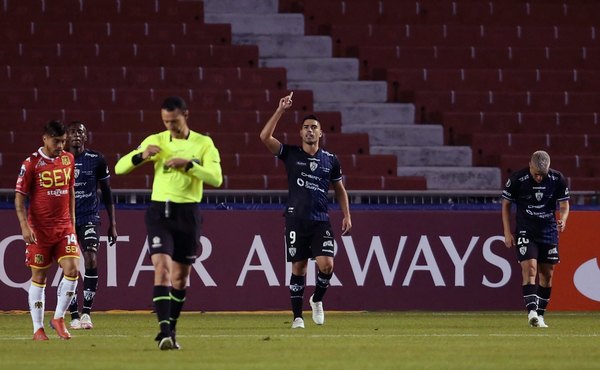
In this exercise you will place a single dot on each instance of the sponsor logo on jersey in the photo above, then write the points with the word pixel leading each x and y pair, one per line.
pixel 156 242
pixel 58 192
pixel 553 251
pixel 22 171
pixel 328 243
pixel 508 183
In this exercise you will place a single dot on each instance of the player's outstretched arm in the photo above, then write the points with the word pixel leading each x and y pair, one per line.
pixel 266 135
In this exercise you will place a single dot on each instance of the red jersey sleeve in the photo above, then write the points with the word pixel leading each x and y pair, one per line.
pixel 25 179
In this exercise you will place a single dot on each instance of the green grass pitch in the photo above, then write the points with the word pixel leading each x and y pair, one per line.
pixel 352 340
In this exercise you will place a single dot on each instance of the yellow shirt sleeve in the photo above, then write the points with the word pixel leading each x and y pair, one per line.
pixel 125 164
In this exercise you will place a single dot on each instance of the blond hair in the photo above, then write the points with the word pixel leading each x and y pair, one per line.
pixel 540 160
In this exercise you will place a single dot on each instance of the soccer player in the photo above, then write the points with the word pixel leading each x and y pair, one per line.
pixel 536 191
pixel 183 161
pixel 308 232
pixel 91 170
pixel 46 178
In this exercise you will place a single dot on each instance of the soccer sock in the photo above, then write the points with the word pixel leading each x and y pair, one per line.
pixel 321 286
pixel 162 306
pixel 543 295
pixel 177 301
pixel 530 297
pixel 73 307
pixel 64 295
pixel 37 300
pixel 90 286
pixel 297 294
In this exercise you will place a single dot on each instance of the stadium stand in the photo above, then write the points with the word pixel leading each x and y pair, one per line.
pixel 111 63
pixel 503 77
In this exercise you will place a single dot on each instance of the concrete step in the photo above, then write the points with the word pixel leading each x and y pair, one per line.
pixel 260 24
pixel 451 156
pixel 243 7
pixel 344 91
pixel 288 46
pixel 316 69
pixel 371 113
pixel 415 135
pixel 456 178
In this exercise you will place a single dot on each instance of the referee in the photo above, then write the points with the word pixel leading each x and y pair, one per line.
pixel 183 161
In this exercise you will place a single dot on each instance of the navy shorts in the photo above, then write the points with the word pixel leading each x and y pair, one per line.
pixel 88 238
pixel 306 239
pixel 174 231
pixel 528 248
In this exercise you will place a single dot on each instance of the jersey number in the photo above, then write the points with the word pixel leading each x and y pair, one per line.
pixel 292 237
pixel 71 243
pixel 521 241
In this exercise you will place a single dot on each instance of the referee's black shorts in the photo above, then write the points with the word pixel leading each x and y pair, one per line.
pixel 174 230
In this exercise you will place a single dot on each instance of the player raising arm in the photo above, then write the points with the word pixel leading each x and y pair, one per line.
pixel 308 232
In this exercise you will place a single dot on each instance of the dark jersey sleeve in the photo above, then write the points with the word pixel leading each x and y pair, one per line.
pixel 562 191
pixel 336 170
pixel 102 171
pixel 511 189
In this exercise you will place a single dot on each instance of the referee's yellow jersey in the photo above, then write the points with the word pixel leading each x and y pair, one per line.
pixel 179 185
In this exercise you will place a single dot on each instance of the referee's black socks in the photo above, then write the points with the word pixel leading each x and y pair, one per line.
pixel 162 306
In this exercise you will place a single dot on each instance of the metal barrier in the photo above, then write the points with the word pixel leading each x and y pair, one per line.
pixel 265 199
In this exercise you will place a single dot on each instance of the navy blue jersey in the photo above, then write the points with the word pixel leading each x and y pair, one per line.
pixel 90 167
pixel 308 181
pixel 536 203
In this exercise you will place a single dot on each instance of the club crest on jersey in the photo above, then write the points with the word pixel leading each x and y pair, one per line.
pixel 539 196
pixel 76 172
pixel 292 251
pixel 313 166
pixel 65 160
pixel 522 250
